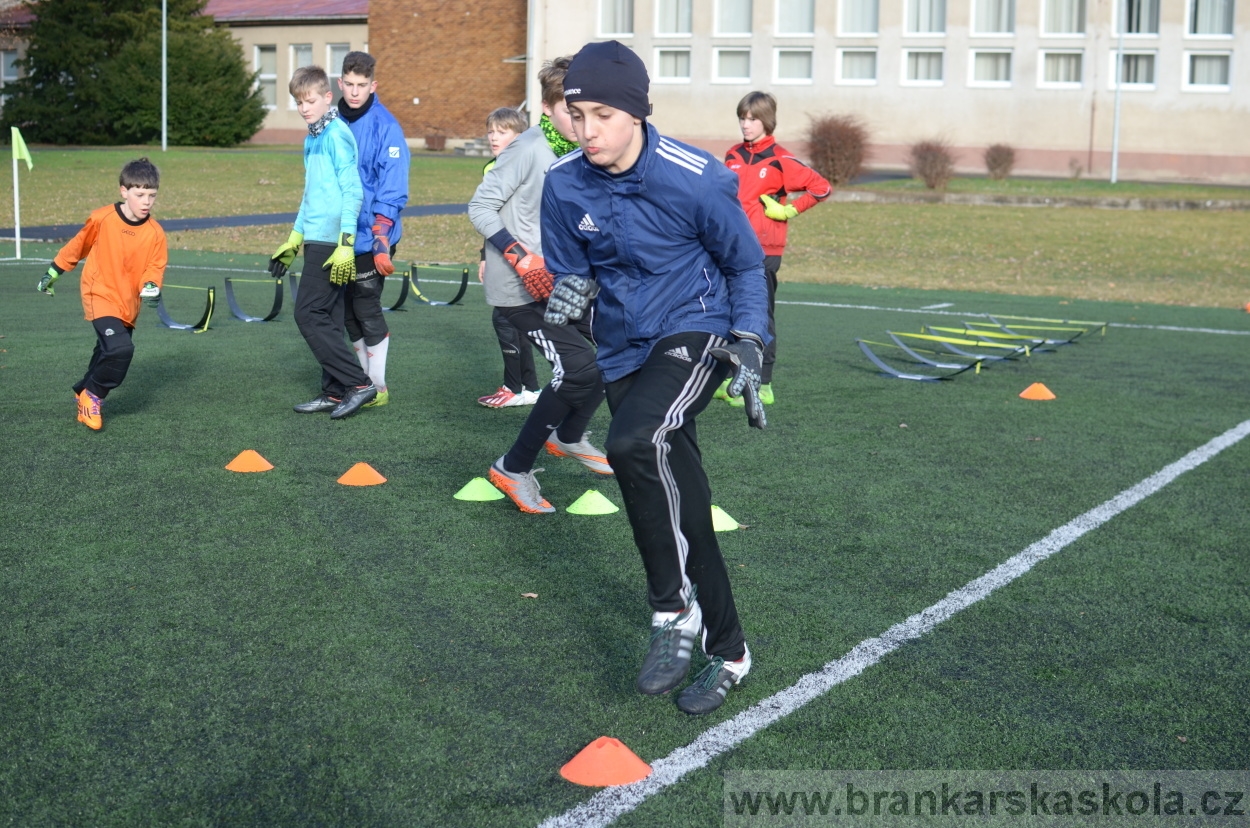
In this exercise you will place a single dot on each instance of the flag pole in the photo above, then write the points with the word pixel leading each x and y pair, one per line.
pixel 17 210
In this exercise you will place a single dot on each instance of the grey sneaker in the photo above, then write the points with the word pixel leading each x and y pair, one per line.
pixel 673 635
pixel 708 690
pixel 582 451
pixel 522 488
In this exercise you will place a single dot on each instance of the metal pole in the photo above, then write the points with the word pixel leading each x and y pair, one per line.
pixel 1119 81
pixel 17 209
pixel 164 75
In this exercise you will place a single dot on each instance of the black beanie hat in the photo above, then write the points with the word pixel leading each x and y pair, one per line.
pixel 609 73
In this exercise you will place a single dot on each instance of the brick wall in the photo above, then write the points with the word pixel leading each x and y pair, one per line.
pixel 448 54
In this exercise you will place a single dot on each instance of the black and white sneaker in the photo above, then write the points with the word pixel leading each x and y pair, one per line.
pixel 673 635
pixel 708 690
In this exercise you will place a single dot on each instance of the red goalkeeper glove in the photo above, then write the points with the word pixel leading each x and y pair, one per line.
pixel 532 269
pixel 382 245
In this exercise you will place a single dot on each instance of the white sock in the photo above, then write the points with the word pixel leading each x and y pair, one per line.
pixel 376 369
pixel 362 354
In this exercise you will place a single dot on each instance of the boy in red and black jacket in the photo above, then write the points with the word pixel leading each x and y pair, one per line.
pixel 768 174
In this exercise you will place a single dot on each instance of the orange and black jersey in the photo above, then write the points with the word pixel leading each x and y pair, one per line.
pixel 764 167
pixel 121 256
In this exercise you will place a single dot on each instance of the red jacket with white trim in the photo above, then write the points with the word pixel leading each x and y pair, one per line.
pixel 764 167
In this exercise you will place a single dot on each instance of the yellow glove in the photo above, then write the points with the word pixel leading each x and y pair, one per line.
pixel 281 260
pixel 342 262
pixel 777 211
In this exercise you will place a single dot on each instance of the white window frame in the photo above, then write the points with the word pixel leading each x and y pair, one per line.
pixel 655 22
pixel 604 31
pixel 716 21
pixel 717 77
pixel 1042 83
pixel 334 68
pixel 777 79
pixel 656 77
pixel 777 21
pixel 1188 85
pixel 1189 13
pixel 842 17
pixel 1041 23
pixel 261 78
pixel 906 81
pixel 293 64
pixel 907 6
pixel 980 84
pixel 844 81
pixel 1113 76
pixel 1117 10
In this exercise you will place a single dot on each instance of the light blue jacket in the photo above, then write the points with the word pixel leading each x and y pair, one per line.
pixel 332 189
pixel 384 162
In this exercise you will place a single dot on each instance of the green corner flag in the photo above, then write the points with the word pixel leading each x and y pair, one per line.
pixel 20 152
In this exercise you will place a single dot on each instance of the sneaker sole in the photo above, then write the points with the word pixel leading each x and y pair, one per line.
pixel 505 484
pixel 556 451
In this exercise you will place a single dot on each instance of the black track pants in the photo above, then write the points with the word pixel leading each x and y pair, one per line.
pixel 319 316
pixel 654 451
pixel 111 358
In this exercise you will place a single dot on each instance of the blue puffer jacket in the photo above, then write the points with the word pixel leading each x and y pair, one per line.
pixel 667 242
pixel 384 161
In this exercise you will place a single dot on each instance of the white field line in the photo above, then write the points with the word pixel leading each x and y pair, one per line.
pixel 934 311
pixel 604 807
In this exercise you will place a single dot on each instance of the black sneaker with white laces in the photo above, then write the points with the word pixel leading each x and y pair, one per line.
pixel 322 403
pixel 708 690
pixel 355 399
pixel 673 635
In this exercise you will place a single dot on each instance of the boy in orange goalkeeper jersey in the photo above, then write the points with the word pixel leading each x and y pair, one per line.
pixel 126 265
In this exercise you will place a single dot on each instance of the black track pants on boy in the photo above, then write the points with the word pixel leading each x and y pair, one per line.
pixel 111 358
pixel 654 451
pixel 319 317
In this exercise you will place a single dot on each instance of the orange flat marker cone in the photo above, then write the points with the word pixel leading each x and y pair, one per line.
pixel 249 461
pixel 362 474
pixel 1037 391
pixel 604 762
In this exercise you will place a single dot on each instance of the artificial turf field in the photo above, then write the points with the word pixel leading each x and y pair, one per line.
pixel 182 645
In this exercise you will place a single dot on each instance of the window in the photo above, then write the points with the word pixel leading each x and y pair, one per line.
pixel 672 17
pixel 922 68
pixel 301 55
pixel 859 17
pixel 1061 70
pixel 857 67
pixel 1063 17
pixel 926 16
pixel 990 68
pixel 1207 71
pixel 732 66
pixel 8 71
pixel 995 17
pixel 733 17
pixel 1211 17
pixel 1138 71
pixel 335 52
pixel 616 17
pixel 672 65
pixel 1143 16
pixel 796 17
pixel 793 66
pixel 266 59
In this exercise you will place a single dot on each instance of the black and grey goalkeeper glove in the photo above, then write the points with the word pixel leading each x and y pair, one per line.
pixel 570 300
pixel 746 357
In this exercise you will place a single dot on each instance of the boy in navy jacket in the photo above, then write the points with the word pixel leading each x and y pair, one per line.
pixel 384 160
pixel 648 233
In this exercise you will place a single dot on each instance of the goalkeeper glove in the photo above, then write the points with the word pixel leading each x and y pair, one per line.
pixel 281 260
pixel 150 294
pixel 777 211
pixel 48 280
pixel 532 269
pixel 570 300
pixel 342 262
pixel 382 245
pixel 745 357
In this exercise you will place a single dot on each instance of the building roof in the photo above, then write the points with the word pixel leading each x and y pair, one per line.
pixel 15 14
pixel 250 12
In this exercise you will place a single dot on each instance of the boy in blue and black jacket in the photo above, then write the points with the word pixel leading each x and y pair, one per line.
pixel 327 219
pixel 648 233
pixel 384 160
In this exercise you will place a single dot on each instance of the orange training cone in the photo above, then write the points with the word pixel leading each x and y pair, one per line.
pixel 249 461
pixel 603 762
pixel 361 474
pixel 1037 391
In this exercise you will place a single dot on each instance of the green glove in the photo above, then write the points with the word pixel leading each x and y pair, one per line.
pixel 150 294
pixel 281 260
pixel 777 211
pixel 342 261
pixel 48 280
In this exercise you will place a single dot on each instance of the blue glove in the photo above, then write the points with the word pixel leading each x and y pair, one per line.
pixel 570 300
pixel 746 358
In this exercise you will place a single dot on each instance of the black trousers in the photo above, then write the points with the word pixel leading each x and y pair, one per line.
pixel 114 349
pixel 771 265
pixel 362 309
pixel 319 317
pixel 654 451
pixel 519 373
pixel 575 392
